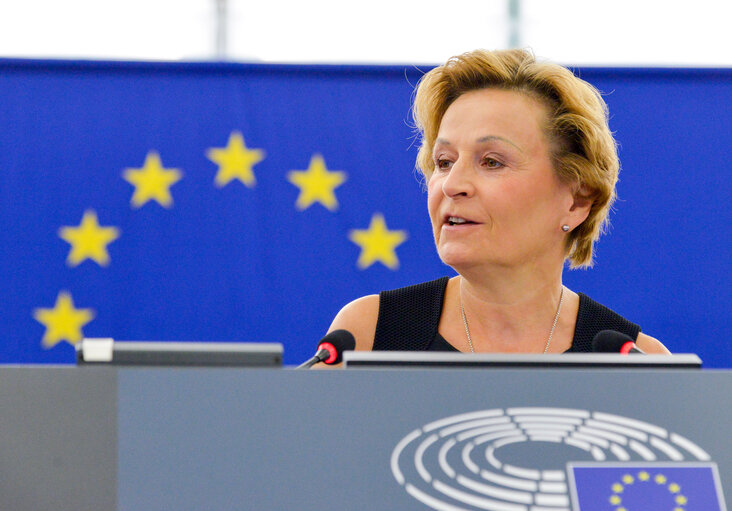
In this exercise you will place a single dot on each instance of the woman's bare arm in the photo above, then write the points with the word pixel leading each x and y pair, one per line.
pixel 358 317
pixel 650 345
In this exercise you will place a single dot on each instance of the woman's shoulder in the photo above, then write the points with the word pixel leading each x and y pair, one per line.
pixel 594 316
pixel 651 345
pixel 359 317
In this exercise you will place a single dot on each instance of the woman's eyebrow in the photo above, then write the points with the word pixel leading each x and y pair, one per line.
pixel 481 140
pixel 489 138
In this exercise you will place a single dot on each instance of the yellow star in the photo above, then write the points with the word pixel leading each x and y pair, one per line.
pixel 89 240
pixel 316 184
pixel 618 488
pixel 681 500
pixel 377 243
pixel 63 322
pixel 152 181
pixel 674 488
pixel 615 500
pixel 643 476
pixel 235 161
pixel 628 479
pixel 660 479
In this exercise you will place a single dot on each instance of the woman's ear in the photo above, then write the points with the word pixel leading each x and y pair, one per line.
pixel 584 197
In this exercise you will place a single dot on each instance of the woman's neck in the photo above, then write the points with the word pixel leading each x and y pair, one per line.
pixel 510 310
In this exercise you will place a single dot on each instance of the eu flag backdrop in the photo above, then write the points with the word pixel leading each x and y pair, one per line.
pixel 239 202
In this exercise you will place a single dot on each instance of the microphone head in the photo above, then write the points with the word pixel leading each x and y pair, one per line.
pixel 610 341
pixel 336 342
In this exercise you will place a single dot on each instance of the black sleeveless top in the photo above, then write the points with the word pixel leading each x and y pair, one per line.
pixel 409 316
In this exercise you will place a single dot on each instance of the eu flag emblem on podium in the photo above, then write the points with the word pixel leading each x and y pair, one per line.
pixel 645 486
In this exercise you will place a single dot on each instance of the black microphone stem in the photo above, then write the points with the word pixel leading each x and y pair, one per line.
pixel 319 357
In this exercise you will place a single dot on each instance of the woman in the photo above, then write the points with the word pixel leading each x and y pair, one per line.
pixel 521 169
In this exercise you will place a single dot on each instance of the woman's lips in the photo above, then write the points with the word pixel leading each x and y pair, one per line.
pixel 456 220
pixel 456 227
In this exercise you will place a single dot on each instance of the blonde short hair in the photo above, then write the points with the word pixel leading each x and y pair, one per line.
pixel 583 149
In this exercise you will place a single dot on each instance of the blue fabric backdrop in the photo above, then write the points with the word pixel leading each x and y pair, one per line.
pixel 250 260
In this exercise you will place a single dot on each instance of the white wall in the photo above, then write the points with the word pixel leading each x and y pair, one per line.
pixel 617 32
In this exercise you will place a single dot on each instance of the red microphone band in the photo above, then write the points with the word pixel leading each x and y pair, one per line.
pixel 331 349
pixel 625 349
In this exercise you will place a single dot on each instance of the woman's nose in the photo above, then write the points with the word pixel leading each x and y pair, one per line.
pixel 459 181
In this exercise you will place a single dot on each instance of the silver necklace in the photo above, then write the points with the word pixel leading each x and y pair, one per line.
pixel 551 333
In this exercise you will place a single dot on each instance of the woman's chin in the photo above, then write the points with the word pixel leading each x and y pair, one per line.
pixel 458 258
pixel 462 258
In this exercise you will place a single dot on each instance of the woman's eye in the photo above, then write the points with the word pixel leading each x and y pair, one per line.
pixel 443 164
pixel 492 163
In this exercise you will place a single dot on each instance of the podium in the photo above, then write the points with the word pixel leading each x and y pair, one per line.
pixel 417 439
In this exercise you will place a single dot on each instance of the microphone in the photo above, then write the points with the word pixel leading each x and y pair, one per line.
pixel 611 341
pixel 331 348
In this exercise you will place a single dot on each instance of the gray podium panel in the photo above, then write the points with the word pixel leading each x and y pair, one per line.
pixel 221 439
pixel 58 439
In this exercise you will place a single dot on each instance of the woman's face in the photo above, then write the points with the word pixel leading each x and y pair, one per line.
pixel 494 196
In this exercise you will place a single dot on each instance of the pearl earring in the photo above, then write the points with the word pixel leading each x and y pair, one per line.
pixel 565 228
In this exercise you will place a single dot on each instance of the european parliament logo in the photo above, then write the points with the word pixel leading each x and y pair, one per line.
pixel 554 459
pixel 644 486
